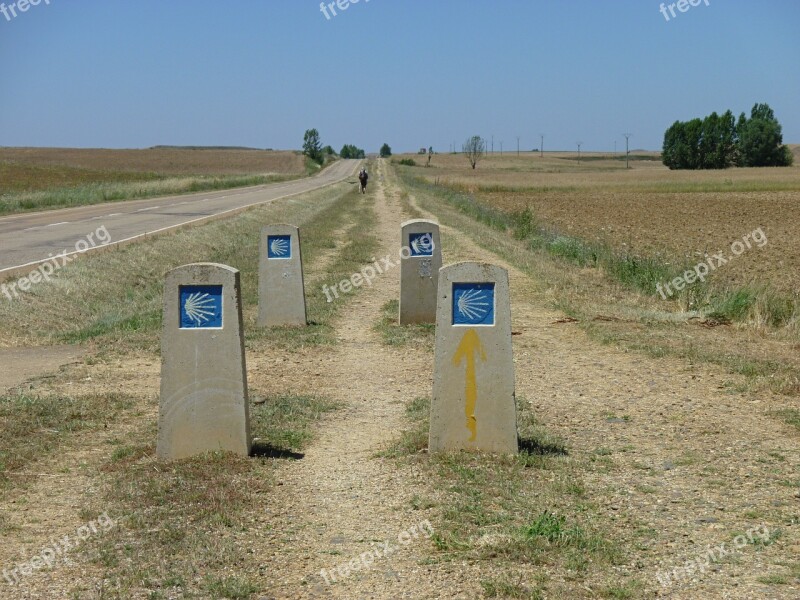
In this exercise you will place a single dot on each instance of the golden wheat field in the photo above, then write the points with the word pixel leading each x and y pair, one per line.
pixel 648 209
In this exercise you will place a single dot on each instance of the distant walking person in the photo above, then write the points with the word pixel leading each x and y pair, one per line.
pixel 363 177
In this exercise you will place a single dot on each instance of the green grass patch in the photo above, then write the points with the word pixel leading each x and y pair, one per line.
pixel 282 422
pixel 394 334
pixel 757 304
pixel 716 187
pixel 414 438
pixel 505 588
pixel 32 426
pixel 790 416
pixel 625 591
pixel 503 509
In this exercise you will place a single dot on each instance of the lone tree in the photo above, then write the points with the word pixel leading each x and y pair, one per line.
pixel 474 149
pixel 386 151
pixel 312 147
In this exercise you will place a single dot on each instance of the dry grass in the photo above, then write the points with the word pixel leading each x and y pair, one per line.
pixel 115 298
pixel 618 314
pixel 487 512
pixel 185 529
pixel 648 210
pixel 185 523
pixel 562 172
pixel 163 161
pixel 46 178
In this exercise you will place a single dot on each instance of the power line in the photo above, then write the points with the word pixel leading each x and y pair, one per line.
pixel 627 152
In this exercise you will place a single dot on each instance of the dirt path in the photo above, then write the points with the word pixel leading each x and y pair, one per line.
pixel 22 364
pixel 679 461
pixel 684 457
pixel 341 500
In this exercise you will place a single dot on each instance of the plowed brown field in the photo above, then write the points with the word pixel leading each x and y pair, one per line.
pixel 649 209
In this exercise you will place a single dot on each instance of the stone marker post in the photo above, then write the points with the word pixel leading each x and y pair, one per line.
pixel 419 271
pixel 204 404
pixel 473 406
pixel 281 295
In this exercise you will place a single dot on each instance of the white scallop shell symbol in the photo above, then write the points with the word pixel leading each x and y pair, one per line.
pixel 473 305
pixel 199 307
pixel 279 247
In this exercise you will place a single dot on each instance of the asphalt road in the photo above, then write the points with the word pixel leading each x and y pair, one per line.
pixel 32 237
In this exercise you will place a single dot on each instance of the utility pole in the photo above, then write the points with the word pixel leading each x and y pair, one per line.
pixel 627 152
pixel 579 150
pixel 501 147
pixel 492 143
pixel 517 145
pixel 615 148
pixel 541 147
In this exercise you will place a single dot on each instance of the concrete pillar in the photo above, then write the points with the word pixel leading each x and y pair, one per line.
pixel 419 271
pixel 473 406
pixel 281 295
pixel 204 404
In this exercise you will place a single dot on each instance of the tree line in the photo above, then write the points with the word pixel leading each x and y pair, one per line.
pixel 350 151
pixel 721 141
pixel 312 148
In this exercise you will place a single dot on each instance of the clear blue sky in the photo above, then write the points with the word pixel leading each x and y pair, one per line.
pixel 136 73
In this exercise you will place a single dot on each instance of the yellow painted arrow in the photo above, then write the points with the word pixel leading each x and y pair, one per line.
pixel 470 346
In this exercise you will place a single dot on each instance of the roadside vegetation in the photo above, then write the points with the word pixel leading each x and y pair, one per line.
pixel 640 273
pixel 613 294
pixel 183 521
pixel 508 513
pixel 115 298
pixel 179 526
pixel 40 179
